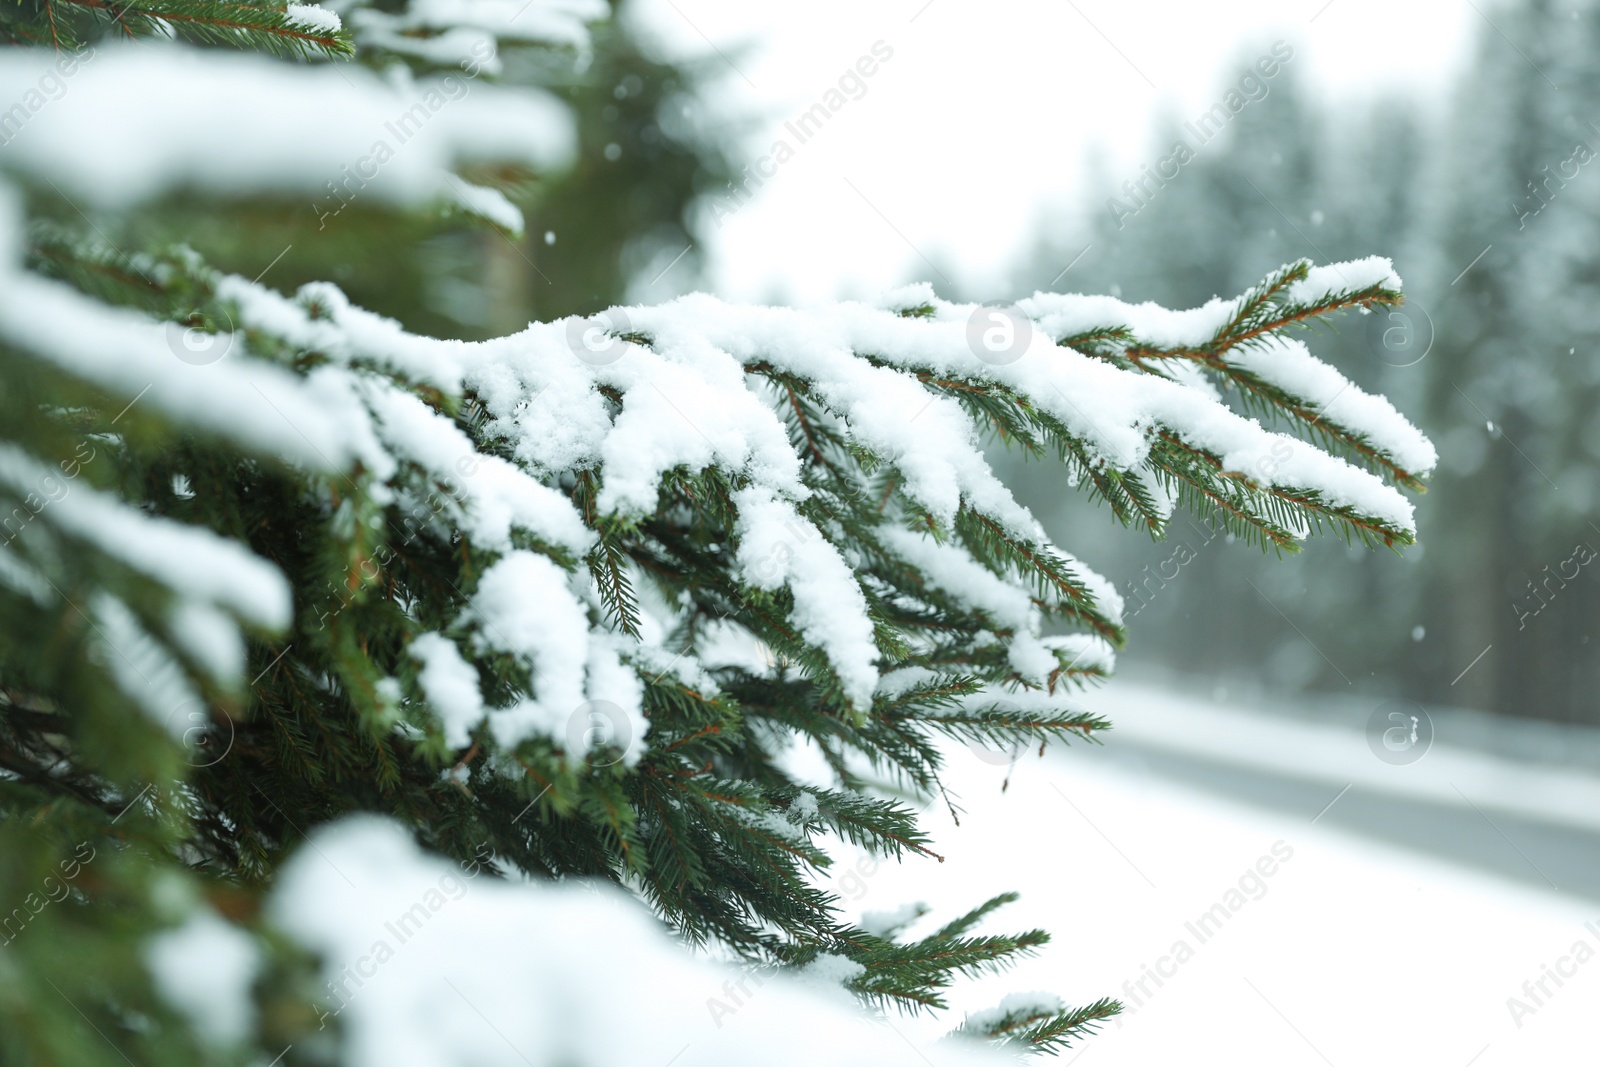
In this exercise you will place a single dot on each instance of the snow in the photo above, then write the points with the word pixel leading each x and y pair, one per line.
pixel 886 922
pixel 450 685
pixel 196 562
pixel 313 17
pixel 210 639
pixel 1030 1003
pixel 524 606
pixel 1063 315
pixel 205 969
pixel 1084 651
pixel 1100 588
pixel 495 495
pixel 125 131
pixel 466 32
pixel 1438 947
pixel 487 203
pixel 132 356
pixel 585 696
pixel 142 668
pixel 778 547
pixel 952 571
pixel 1286 363
pixel 416 969
pixel 1328 280
pixel 830 971
pixel 1339 757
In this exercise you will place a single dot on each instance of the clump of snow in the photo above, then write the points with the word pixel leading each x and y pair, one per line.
pixel 204 566
pixel 1327 280
pixel 416 968
pixel 313 17
pixel 1015 1004
pixel 778 547
pixel 467 32
pixel 830 971
pixel 952 571
pixel 889 921
pixel 450 684
pixel 524 606
pixel 205 968
pixel 1083 651
pixel 1063 315
pixel 125 132
pixel 1286 363
pixel 143 668
pixel 487 203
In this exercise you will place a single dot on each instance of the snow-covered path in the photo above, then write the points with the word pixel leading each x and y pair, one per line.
pixel 1323 945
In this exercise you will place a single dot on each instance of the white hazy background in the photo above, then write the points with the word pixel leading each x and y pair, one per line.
pixel 980 125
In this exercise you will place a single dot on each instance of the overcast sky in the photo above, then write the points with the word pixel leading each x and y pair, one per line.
pixel 983 114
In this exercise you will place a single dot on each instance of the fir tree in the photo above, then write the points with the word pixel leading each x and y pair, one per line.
pixel 558 603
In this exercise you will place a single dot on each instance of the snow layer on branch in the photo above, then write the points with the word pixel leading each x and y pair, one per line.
pixel 1330 279
pixel 595 981
pixel 524 607
pixel 313 17
pixel 486 203
pixel 1098 586
pixel 1063 315
pixel 778 547
pixel 1019 1004
pixel 1039 701
pixel 190 560
pixel 952 571
pixel 450 684
pixel 259 406
pixel 688 404
pixel 1286 363
pixel 126 130
pixel 494 494
pixel 142 667
pixel 887 410
pixel 685 400
pixel 465 32
pixel 320 318
pixel 1083 652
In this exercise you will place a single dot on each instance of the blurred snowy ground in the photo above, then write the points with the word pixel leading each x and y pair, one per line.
pixel 1361 948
